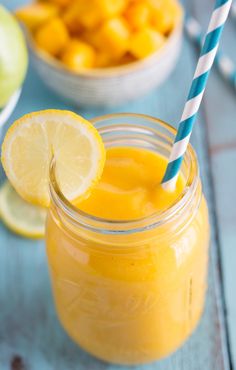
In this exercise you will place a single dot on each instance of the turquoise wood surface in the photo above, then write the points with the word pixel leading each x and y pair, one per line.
pixel 30 335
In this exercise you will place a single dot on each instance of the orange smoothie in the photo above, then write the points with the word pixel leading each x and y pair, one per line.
pixel 132 292
pixel 130 187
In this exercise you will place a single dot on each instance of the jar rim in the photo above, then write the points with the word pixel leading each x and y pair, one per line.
pixel 110 226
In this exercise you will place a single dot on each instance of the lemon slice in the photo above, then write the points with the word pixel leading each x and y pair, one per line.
pixel 74 143
pixel 19 216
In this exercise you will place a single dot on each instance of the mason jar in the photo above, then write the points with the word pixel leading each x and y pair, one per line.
pixel 131 292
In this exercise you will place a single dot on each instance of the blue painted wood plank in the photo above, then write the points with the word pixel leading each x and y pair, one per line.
pixel 29 330
pixel 220 112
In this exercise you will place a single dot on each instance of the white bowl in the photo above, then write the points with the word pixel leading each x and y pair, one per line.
pixel 109 86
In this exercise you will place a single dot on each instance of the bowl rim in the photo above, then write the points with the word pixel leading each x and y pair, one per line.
pixel 128 68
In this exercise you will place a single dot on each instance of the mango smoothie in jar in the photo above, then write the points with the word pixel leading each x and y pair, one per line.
pixel 128 264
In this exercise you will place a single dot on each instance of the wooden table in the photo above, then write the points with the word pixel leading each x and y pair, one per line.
pixel 30 335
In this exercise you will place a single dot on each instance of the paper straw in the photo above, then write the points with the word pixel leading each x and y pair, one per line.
pixel 205 62
pixel 224 64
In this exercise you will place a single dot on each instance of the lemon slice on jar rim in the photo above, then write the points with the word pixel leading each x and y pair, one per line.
pixel 77 149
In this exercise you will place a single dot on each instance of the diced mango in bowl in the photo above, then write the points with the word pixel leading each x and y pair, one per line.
pixel 61 3
pixel 113 35
pixel 163 14
pixel 77 55
pixel 52 36
pixel 145 42
pixel 35 14
pixel 138 14
pixel 84 34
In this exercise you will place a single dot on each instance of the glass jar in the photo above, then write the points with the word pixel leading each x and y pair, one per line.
pixel 131 292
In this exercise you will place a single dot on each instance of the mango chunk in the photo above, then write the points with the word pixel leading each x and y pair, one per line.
pixel 103 60
pixel 145 42
pixel 35 14
pixel 166 15
pixel 52 36
pixel 78 55
pixel 71 19
pixel 85 13
pixel 91 37
pixel 61 3
pixel 110 8
pixel 126 59
pixel 92 13
pixel 137 14
pixel 114 37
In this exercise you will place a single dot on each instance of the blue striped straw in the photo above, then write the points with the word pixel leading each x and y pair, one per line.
pixel 224 64
pixel 205 62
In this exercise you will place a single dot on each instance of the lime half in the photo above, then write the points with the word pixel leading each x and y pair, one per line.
pixel 13 56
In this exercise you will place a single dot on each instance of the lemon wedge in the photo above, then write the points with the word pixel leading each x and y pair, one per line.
pixel 74 143
pixel 19 216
